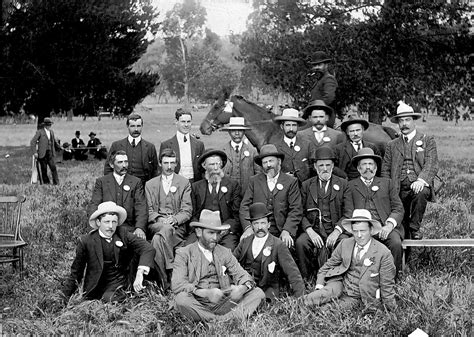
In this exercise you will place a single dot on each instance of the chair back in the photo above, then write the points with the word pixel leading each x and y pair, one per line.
pixel 10 213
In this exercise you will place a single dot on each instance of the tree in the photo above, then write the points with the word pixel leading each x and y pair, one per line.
pixel 60 54
pixel 395 50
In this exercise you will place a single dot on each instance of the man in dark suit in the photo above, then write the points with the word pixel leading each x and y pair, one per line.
pixel 359 270
pixel 354 129
pixel 143 160
pixel 95 148
pixel 77 143
pixel 105 255
pixel 187 147
pixel 379 196
pixel 216 192
pixel 43 145
pixel 323 208
pixel 412 163
pixel 279 192
pixel 126 191
pixel 325 88
pixel 297 151
pixel 264 256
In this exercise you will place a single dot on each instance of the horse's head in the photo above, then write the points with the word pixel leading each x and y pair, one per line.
pixel 219 115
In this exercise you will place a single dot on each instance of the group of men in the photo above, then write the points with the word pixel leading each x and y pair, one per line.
pixel 223 228
pixel 78 149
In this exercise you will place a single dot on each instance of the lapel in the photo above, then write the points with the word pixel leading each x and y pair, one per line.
pixel 126 181
pixel 279 181
pixel 193 147
pixel 144 153
pixel 399 145
pixel 262 181
pixel 331 190
pixel 418 136
pixel 347 252
pixel 348 149
pixel 227 150
pixel 361 187
pixel 116 238
pixel 98 248
pixel 202 186
pixel 244 148
pixel 313 189
pixel 224 183
pixel 195 256
pixel 370 254
pixel 375 182
pixel 175 146
pixel 246 245
pixel 270 242
pixel 285 148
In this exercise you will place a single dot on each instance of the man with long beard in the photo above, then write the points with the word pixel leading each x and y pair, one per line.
pixel 279 192
pixel 216 192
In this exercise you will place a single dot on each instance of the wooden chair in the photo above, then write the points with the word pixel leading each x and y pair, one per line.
pixel 11 242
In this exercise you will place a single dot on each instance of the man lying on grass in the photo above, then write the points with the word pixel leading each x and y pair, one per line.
pixel 105 254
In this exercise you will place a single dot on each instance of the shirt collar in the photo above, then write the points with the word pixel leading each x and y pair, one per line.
pixel 118 178
pixel 234 144
pixel 102 235
pixel 275 178
pixel 366 247
pixel 411 135
pixel 259 240
pixel 205 251
pixel 137 139
pixel 325 128
pixel 366 180
pixel 180 136
pixel 289 140
pixel 167 178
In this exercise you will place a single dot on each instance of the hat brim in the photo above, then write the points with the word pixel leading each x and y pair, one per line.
pixel 347 224
pixel 210 153
pixel 415 115
pixel 92 134
pixel 258 159
pixel 312 161
pixel 122 215
pixel 320 61
pixel 209 226
pixel 235 127
pixel 357 158
pixel 258 217
pixel 281 119
pixel 307 111
pixel 363 122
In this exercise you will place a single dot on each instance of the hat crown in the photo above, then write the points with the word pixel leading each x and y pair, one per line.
pixel 47 120
pixel 324 152
pixel 366 151
pixel 290 112
pixel 361 214
pixel 258 210
pixel 404 108
pixel 268 149
pixel 237 121
pixel 211 218
pixel 320 56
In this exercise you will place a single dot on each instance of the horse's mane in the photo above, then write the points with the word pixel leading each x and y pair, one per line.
pixel 242 98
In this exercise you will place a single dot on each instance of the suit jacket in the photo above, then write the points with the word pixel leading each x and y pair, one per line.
pixel 247 167
pixel 335 137
pixel 197 148
pixel 309 195
pixel 89 257
pixel 41 139
pixel 380 275
pixel 187 268
pixel 297 160
pixel 75 143
pixel 343 152
pixel 325 89
pixel 287 208
pixel 149 157
pixel 385 196
pixel 181 198
pixel 281 259
pixel 229 201
pixel 134 200
pixel 425 159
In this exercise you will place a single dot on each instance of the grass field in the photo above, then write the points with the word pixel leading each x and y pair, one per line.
pixel 435 294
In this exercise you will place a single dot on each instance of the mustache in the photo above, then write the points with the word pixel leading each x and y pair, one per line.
pixel 368 170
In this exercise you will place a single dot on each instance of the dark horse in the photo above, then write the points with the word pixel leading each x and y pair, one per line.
pixel 264 129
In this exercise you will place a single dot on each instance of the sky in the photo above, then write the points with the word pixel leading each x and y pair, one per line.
pixel 223 17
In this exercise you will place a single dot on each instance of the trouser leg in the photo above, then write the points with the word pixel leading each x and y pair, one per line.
pixel 188 305
pixel 332 290
pixel 44 169
pixel 247 305
pixel 304 255
pixel 394 244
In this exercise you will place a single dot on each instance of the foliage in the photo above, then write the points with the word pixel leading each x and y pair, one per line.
pixel 398 50
pixel 74 54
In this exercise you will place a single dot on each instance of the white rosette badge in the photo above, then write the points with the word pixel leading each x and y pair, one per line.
pixel 126 188
pixel 119 243
pixel 297 148
pixel 224 189
pixel 279 187
pixel 267 251
pixel 368 262
pixel 173 189
pixel 246 153
pixel 336 187
pixel 326 139
pixel 375 188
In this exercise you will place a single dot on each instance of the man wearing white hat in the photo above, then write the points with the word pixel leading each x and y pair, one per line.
pixel 360 269
pixel 105 254
pixel 411 161
pixel 240 165
pixel 208 281
pixel 297 151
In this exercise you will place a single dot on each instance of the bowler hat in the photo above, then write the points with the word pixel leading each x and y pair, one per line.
pixel 268 150
pixel 320 57
pixel 236 123
pixel 359 215
pixel 47 121
pixel 108 207
pixel 366 152
pixel 404 110
pixel 257 211
pixel 292 115
pixel 92 134
pixel 317 104
pixel 77 133
pixel 210 220
pixel 323 153
pixel 211 152
pixel 351 121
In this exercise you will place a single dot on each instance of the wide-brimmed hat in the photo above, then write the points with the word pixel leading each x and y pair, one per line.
pixel 323 153
pixel 210 220
pixel 320 57
pixel 351 121
pixel 108 207
pixel 404 110
pixel 268 150
pixel 66 145
pixel 92 134
pixel 211 152
pixel 236 123
pixel 316 104
pixel 366 152
pixel 290 114
pixel 48 121
pixel 361 215
pixel 257 211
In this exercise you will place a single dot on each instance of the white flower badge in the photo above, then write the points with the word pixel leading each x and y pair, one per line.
pixel 297 148
pixel 326 139
pixel 119 243
pixel 246 153
pixel 267 251
pixel 279 187
pixel 419 143
pixel 173 189
pixel 126 188
pixel 368 262
pixel 375 188
pixel 224 189
pixel 224 269
pixel 336 187
pixel 271 267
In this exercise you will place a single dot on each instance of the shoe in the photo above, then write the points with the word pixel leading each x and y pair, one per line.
pixel 416 236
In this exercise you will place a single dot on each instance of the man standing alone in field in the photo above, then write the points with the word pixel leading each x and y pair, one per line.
pixel 43 146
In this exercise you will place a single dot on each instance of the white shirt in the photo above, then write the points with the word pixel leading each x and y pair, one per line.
pixel 325 184
pixel 288 141
pixel 271 182
pixel 209 185
pixel 363 251
pixel 118 178
pixel 166 182
pixel 207 253
pixel 234 144
pixel 48 133
pixel 185 156
pixel 410 135
pixel 367 182
pixel 257 245
pixel 319 134
pixel 355 145
pixel 137 139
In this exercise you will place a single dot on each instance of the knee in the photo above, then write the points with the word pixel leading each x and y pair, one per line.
pixel 423 194
pixel 302 243
pixel 182 299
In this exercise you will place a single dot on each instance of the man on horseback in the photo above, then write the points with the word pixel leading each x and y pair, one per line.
pixel 325 88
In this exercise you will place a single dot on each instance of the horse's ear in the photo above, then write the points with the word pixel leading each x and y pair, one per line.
pixel 226 91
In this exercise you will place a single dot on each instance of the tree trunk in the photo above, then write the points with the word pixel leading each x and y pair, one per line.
pixel 69 115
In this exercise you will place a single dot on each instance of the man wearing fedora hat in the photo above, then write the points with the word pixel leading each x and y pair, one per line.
pixel 323 208
pixel 297 151
pixel 95 148
pixel 325 87
pixel 380 197
pixel 217 192
pixel 105 254
pixel 208 281
pixel 279 192
pixel 264 256
pixel 43 145
pixel 360 269
pixel 240 164
pixel 77 144
pixel 354 129
pixel 411 161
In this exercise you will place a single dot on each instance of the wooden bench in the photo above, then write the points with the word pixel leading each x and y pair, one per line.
pixel 435 243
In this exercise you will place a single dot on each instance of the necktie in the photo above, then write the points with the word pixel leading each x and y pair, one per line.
pixel 133 143
pixel 291 145
pixel 368 183
pixel 109 240
pixel 214 188
pixel 185 139
pixel 405 138
pixel 319 135
pixel 236 149
pixel 358 253
pixel 358 146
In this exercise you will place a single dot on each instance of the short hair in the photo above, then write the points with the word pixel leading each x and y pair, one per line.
pixel 168 152
pixel 114 155
pixel 108 213
pixel 180 112
pixel 133 117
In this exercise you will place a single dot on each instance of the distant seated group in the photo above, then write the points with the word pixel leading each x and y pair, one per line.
pixel 226 229
pixel 78 150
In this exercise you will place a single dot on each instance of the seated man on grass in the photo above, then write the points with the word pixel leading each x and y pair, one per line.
pixel 105 255
pixel 202 276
